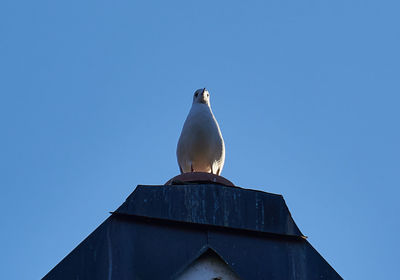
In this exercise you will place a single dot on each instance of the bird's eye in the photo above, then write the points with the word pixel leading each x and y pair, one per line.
pixel 196 94
pixel 208 94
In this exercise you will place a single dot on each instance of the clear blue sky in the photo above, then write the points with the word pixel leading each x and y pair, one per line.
pixel 94 95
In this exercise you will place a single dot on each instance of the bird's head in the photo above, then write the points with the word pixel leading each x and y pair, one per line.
pixel 201 96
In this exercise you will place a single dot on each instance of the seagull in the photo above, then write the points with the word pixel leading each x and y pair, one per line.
pixel 201 147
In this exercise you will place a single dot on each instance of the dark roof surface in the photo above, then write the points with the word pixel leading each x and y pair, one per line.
pixel 215 205
pixel 160 230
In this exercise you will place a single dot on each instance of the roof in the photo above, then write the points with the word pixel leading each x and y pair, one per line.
pixel 212 205
pixel 169 227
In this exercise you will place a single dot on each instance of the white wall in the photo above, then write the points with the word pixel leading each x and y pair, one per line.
pixel 209 267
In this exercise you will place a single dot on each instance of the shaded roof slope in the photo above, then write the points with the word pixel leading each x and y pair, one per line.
pixel 167 227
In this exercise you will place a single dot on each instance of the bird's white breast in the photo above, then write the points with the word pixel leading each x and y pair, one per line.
pixel 201 143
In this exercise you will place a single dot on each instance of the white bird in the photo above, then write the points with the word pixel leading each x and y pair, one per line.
pixel 201 147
